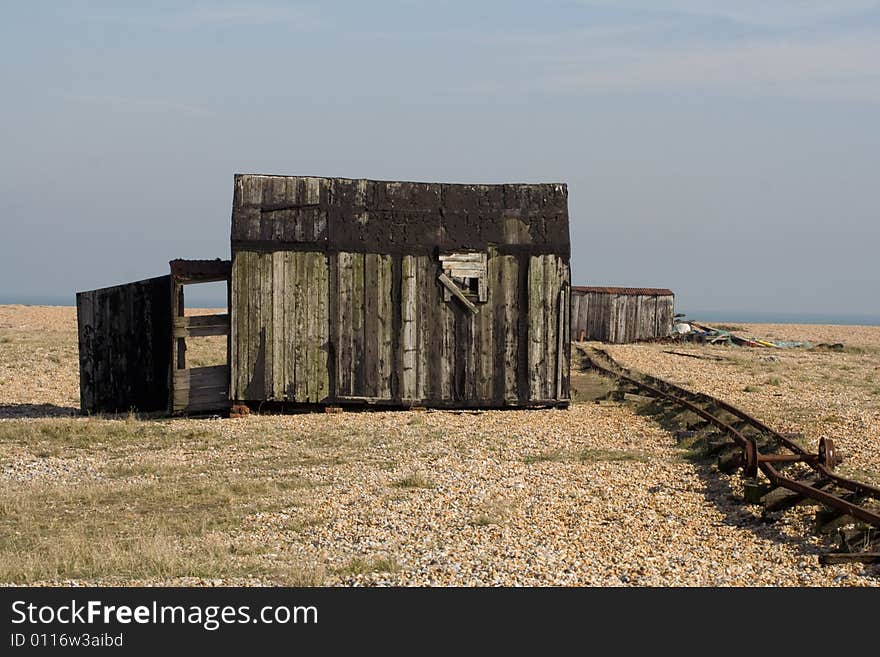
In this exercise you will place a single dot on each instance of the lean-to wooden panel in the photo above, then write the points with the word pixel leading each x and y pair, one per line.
pixel 125 346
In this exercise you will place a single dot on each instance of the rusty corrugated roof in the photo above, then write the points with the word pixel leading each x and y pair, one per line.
pixel 642 291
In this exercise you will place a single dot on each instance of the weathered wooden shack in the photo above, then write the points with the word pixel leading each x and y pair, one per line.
pixel 349 291
pixel 621 314
pixel 399 293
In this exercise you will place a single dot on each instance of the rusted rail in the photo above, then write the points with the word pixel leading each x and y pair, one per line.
pixel 758 448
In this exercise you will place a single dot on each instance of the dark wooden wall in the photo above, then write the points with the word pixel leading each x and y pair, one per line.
pixel 335 293
pixel 278 213
pixel 125 346
pixel 620 317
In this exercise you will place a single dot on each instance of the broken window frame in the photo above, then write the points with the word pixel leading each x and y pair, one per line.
pixel 468 272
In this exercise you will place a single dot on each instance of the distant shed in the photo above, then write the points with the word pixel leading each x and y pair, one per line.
pixel 621 314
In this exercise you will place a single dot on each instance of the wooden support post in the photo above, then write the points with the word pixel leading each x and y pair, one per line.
pixel 180 351
pixel 754 490
pixel 829 520
pixel 780 499
pixel 845 557
pixel 560 344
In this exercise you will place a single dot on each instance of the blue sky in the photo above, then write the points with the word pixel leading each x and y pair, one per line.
pixel 730 151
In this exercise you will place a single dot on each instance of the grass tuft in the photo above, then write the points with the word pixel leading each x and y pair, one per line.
pixel 550 455
pixel 367 565
pixel 414 480
pixel 588 455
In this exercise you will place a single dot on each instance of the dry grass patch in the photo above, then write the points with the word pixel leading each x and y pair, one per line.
pixel 588 455
pixel 167 499
pixel 496 511
pixel 489 518
pixel 367 565
pixel 414 480
pixel 132 530
pixel 549 455
pixel 153 513
pixel 57 437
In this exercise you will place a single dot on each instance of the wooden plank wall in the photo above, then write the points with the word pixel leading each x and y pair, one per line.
pixel 451 354
pixel 444 352
pixel 620 318
pixel 390 336
pixel 125 346
pixel 546 280
pixel 448 354
pixel 200 389
pixel 280 326
pixel 665 316
pixel 363 325
pixel 279 209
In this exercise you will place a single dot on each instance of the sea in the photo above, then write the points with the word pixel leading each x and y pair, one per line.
pixel 730 316
pixel 193 300
pixel 769 317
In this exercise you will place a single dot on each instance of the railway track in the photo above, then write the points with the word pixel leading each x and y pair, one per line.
pixel 779 472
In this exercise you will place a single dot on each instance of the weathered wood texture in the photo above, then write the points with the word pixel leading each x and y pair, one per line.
pixel 306 213
pixel 548 286
pixel 201 325
pixel 280 326
pixel 200 389
pixel 348 306
pixel 621 315
pixel 125 346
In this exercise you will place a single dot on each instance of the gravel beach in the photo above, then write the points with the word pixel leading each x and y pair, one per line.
pixel 595 495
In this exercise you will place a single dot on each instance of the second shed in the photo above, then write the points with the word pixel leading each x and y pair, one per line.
pixel 621 314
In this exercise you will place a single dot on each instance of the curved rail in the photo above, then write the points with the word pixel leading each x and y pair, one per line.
pixel 752 459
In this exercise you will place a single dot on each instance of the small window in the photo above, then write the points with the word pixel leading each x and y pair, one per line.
pixel 469 272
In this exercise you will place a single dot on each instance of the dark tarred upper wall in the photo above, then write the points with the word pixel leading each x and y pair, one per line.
pixel 342 214
pixel 630 291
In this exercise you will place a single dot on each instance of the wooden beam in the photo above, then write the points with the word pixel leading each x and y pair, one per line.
pixel 463 257
pixel 458 294
pixel 560 345
pixel 201 320
pixel 201 331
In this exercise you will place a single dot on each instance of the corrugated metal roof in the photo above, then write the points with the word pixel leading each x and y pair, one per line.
pixel 643 291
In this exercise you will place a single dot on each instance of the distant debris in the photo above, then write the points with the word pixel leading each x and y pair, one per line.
pixel 836 346
pixel 690 331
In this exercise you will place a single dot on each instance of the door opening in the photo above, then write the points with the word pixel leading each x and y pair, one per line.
pixel 200 339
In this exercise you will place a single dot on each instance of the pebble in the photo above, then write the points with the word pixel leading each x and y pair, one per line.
pixel 507 500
